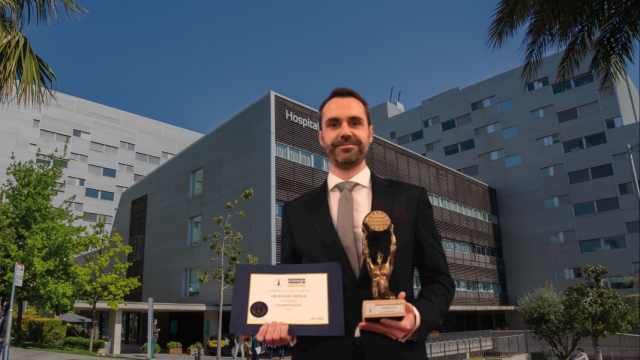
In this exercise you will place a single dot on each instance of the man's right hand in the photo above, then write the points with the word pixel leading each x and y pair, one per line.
pixel 275 333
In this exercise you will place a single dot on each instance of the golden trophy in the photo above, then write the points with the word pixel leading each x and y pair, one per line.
pixel 375 226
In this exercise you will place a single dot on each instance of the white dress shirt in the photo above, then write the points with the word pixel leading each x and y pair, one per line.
pixel 362 198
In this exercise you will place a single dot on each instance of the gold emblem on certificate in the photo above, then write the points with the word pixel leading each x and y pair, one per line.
pixel 377 226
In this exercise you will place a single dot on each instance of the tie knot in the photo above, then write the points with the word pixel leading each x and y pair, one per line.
pixel 346 185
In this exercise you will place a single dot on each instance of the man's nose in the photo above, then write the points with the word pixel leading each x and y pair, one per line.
pixel 346 130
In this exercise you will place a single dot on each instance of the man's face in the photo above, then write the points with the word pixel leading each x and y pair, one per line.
pixel 345 133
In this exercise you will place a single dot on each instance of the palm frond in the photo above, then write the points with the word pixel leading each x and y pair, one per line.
pixel 509 16
pixel 45 11
pixel 24 76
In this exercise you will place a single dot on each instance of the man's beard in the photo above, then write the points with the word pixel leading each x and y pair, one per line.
pixel 347 160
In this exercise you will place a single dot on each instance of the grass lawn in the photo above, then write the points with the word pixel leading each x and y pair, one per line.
pixel 59 349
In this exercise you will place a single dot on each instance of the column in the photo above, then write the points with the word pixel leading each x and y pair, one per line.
pixel 115 330
pixel 210 325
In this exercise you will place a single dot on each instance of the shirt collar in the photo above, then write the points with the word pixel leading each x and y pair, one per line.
pixel 362 178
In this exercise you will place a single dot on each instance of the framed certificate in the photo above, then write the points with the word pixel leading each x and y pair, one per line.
pixel 307 297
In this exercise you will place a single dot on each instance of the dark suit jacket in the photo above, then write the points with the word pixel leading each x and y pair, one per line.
pixel 309 236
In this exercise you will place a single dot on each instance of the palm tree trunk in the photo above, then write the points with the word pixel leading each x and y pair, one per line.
pixel 91 328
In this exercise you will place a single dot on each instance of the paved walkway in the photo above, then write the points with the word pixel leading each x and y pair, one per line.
pixel 24 354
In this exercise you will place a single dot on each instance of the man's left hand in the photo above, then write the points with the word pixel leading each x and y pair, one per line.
pixel 393 328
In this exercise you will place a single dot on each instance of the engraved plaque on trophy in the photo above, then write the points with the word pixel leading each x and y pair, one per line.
pixel 376 226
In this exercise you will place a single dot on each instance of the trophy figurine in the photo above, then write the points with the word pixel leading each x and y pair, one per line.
pixel 375 226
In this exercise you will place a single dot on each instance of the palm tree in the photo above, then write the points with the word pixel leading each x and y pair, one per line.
pixel 25 78
pixel 605 30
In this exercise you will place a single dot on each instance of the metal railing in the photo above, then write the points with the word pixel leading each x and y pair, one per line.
pixel 484 345
pixel 627 353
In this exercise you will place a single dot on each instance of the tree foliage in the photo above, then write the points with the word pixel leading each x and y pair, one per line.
pixel 102 274
pixel 39 235
pixel 545 315
pixel 24 76
pixel 607 31
pixel 226 245
pixel 595 309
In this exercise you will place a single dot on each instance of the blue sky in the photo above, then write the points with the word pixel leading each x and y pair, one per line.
pixel 193 63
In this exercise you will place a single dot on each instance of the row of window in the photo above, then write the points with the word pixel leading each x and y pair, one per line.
pixel 559 169
pixel 302 157
pixel 462 209
pixel 470 248
pixel 91 217
pixel 633 227
pixel 608 243
pixel 612 282
pixel 572 83
pixel 585 208
pixel 468 285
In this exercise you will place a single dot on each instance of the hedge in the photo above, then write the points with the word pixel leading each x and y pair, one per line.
pixel 43 330
pixel 174 345
pixel 82 343
pixel 156 348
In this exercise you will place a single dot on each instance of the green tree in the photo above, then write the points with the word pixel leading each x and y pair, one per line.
pixel 102 276
pixel 595 309
pixel 226 246
pixel 45 238
pixel 24 76
pixel 605 30
pixel 548 321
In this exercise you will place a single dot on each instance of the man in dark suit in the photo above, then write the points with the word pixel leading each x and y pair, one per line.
pixel 324 225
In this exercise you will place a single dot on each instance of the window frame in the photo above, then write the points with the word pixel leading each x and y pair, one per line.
pixel 193 182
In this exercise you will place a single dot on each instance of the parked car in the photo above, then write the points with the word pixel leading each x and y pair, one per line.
pixel 227 345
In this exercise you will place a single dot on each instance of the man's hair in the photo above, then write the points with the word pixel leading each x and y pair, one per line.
pixel 580 349
pixel 345 93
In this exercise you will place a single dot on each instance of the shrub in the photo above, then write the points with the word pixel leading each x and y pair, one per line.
pixel 43 330
pixel 82 343
pixel 156 348
pixel 174 345
pixel 196 345
pixel 33 312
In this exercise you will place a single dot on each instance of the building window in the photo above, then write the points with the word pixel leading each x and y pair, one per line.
pixel 613 243
pixel 416 135
pixel 565 274
pixel 279 209
pixel 613 123
pixel 43 161
pixel 608 204
pixel 78 157
pixel 36 124
pixel 127 146
pixel 103 148
pixel 621 282
pixel 451 149
pixel 137 177
pixel 467 145
pixel 563 236
pixel 191 284
pixel 590 246
pixel 195 230
pixel 125 167
pixel 601 171
pixel 514 160
pixel 436 200
pixel 636 267
pixel 196 182
pixel 82 134
pixel 538 84
pixel 567 115
pixel 166 155
pixel 547 140
pixel 33 147
pixel 91 217
pixel 483 103
pixel 98 194
pixel 552 170
pixel 556 201
pixel 490 156
pixel 76 206
pixel 392 135
pixel 579 176
pixel 120 189
pixel 147 158
pixel 100 171
pixel 587 141
pixel 633 227
pixel 505 105
pixel 510 132
pixel 487 129
pixel 562 87
pixel 448 125
pixel 75 181
pixel 584 208
pixel 433 146
pixel 49 135
pixel 427 123
pixel 470 171
pixel 582 80
pixel 302 157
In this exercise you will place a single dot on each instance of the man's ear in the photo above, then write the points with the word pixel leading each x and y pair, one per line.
pixel 370 134
pixel 320 139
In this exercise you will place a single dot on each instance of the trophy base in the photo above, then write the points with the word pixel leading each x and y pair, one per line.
pixel 374 310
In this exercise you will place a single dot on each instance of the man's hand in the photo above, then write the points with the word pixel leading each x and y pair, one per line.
pixel 393 328
pixel 275 333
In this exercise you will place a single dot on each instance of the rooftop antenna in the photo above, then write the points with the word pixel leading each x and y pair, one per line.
pixel 399 92
pixel 390 96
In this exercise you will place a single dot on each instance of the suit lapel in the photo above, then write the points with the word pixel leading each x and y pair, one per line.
pixel 328 234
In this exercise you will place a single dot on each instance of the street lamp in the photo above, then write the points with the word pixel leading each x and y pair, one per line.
pixel 630 151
